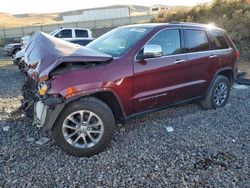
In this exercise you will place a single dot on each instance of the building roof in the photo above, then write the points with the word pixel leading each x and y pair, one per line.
pixel 159 5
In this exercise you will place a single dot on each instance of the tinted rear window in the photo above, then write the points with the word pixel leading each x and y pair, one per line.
pixel 219 40
pixel 81 33
pixel 196 40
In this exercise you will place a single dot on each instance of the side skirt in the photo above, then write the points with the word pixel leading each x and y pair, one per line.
pixel 143 113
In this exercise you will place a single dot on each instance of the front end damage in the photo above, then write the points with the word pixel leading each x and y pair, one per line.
pixel 42 110
pixel 46 111
pixel 45 57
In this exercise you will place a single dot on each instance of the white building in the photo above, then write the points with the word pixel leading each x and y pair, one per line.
pixel 157 8
pixel 98 14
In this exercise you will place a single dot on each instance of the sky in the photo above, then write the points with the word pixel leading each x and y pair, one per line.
pixel 49 6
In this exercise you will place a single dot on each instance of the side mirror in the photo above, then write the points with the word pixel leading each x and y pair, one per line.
pixel 152 51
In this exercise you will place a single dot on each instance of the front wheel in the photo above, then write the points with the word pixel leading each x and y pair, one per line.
pixel 218 93
pixel 85 127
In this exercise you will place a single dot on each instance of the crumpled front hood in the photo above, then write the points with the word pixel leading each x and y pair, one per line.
pixel 13 45
pixel 49 52
pixel 19 54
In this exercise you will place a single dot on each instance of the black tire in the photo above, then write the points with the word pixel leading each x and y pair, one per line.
pixel 97 107
pixel 209 101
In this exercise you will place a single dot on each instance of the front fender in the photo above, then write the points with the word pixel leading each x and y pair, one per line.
pixel 79 94
pixel 61 104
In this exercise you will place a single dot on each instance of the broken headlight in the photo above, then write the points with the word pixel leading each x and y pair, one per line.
pixel 43 89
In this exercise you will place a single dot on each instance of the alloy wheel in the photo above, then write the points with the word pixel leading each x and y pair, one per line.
pixel 220 94
pixel 82 129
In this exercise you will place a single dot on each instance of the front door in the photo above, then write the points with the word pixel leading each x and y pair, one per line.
pixel 160 81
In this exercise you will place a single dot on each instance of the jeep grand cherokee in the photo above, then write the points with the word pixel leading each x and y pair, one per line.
pixel 84 91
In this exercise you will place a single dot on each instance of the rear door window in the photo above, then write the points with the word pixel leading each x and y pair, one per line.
pixel 81 33
pixel 196 40
pixel 219 40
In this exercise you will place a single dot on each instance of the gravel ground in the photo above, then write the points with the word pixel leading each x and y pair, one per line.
pixel 206 148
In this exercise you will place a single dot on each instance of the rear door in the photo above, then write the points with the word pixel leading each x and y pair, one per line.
pixel 202 61
pixel 224 51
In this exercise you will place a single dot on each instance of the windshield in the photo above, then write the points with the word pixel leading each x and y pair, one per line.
pixel 118 41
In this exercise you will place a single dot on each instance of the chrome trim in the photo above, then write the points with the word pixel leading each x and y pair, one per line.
pixel 167 89
pixel 152 50
pixel 188 53
pixel 179 61
pixel 212 56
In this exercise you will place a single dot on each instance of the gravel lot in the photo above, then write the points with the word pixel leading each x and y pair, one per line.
pixel 205 148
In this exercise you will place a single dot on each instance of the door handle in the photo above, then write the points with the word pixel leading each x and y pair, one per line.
pixel 178 61
pixel 213 56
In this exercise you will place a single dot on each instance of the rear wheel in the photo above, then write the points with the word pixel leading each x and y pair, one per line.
pixel 85 127
pixel 218 93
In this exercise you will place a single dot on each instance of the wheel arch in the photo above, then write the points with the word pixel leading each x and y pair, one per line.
pixel 110 99
pixel 227 72
pixel 106 96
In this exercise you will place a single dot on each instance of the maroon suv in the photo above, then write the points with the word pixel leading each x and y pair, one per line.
pixel 84 91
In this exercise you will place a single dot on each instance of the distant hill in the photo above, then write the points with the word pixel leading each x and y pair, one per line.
pixel 9 21
pixel 19 20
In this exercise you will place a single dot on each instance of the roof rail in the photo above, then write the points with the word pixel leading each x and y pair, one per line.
pixel 192 23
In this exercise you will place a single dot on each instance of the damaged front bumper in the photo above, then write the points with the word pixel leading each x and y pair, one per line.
pixel 46 111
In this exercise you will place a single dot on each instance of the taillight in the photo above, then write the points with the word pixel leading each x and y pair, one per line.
pixel 237 54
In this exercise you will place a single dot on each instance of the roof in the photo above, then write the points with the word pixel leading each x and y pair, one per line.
pixel 174 24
